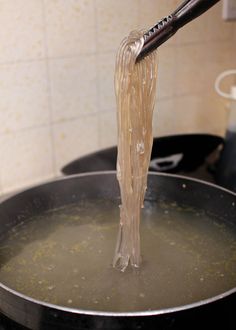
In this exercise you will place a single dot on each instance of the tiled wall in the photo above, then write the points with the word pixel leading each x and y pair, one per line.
pixel 56 79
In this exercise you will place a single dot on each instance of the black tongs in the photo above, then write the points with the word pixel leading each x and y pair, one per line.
pixel 170 24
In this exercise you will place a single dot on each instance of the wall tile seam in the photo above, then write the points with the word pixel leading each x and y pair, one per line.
pixel 81 116
pixel 105 111
pixel 113 51
pixel 215 39
pixel 23 62
pixel 139 13
pixel 168 99
pixel 203 92
pixel 49 93
pixel 24 129
pixel 98 90
pixel 1 188
pixel 71 117
pixel 51 58
pixel 199 94
pixel 185 95
pixel 58 57
pixel 203 42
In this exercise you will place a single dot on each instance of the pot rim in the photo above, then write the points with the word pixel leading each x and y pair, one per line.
pixel 120 314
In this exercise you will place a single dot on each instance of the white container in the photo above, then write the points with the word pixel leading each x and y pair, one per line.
pixel 226 169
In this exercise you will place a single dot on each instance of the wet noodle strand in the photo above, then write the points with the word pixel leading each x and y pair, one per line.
pixel 135 87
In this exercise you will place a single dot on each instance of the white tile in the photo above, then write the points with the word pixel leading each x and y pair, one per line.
pixel 213 115
pixel 70 27
pixel 152 11
pixel 191 68
pixel 179 115
pixel 186 114
pixel 189 114
pixel 73 87
pixel 1 192
pixel 115 19
pixel 75 138
pixel 26 158
pixel 194 31
pixel 106 71
pixel 234 31
pixel 232 48
pixel 217 28
pixel 23 96
pixel 166 72
pixel 224 52
pixel 163 118
pixel 21 33
pixel 220 51
pixel 107 129
pixel 216 57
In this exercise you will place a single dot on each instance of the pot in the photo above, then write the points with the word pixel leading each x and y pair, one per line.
pixel 216 312
pixel 184 154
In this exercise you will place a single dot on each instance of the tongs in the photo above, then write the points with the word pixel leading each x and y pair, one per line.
pixel 169 25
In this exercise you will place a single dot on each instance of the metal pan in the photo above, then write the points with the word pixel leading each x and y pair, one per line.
pixel 216 312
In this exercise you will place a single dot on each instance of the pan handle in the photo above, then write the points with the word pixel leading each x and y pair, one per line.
pixel 165 163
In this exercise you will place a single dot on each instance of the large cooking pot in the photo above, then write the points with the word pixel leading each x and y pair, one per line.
pixel 185 154
pixel 215 312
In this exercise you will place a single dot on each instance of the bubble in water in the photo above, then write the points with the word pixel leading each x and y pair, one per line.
pixel 51 287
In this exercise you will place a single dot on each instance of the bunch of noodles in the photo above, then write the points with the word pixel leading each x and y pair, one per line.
pixel 135 87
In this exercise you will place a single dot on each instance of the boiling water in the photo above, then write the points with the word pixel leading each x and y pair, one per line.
pixel 62 257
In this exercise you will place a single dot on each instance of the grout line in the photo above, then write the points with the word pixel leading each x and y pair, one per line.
pixel 49 90
pixel 58 122
pixel 110 110
pixel 81 116
pixel 97 73
pixel 43 58
pixel 111 51
pixel 139 14
pixel 184 95
pixel 100 112
pixel 24 129
pixel 80 54
pixel 1 187
pixel 30 60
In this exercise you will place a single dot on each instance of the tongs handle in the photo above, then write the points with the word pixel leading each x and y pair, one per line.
pixel 191 9
pixel 170 24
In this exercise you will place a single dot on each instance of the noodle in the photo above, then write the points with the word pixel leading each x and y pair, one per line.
pixel 135 87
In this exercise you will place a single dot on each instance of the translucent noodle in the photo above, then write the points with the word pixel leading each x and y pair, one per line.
pixel 135 87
